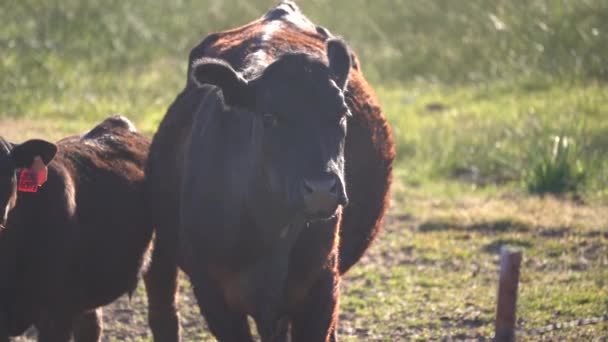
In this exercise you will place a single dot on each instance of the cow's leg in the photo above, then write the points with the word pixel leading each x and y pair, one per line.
pixel 88 326
pixel 333 335
pixel 54 327
pixel 283 333
pixel 225 324
pixel 4 327
pixel 161 282
pixel 316 319
pixel 273 331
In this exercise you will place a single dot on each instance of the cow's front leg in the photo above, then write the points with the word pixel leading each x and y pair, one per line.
pixel 55 327
pixel 161 282
pixel 4 336
pixel 269 280
pixel 225 324
pixel 315 320
pixel 88 326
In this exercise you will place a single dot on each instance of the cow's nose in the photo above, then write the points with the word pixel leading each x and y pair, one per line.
pixel 321 195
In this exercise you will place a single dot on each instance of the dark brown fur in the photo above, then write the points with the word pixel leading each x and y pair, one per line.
pixel 370 149
pixel 79 242
pixel 321 253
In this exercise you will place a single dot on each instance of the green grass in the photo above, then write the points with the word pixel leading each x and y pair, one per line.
pixel 476 92
pixel 445 40
pixel 560 171
pixel 499 132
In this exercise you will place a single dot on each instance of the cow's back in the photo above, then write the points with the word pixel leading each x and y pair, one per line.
pixel 252 47
pixel 104 171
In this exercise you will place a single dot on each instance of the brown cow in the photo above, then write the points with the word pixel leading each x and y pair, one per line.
pixel 268 179
pixel 79 240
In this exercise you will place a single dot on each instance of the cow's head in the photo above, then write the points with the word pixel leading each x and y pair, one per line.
pixel 299 101
pixel 13 158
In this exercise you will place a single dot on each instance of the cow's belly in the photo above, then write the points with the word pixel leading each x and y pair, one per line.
pixel 106 270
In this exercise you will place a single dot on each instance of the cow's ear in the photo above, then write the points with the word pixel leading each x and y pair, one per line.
pixel 220 74
pixel 23 154
pixel 339 59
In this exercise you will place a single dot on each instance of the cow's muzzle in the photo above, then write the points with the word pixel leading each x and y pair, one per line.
pixel 322 196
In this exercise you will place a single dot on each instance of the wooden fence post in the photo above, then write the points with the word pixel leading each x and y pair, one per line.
pixel 510 261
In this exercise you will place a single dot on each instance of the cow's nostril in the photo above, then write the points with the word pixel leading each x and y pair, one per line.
pixel 327 186
pixel 321 196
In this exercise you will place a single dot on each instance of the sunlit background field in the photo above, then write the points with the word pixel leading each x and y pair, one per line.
pixel 500 114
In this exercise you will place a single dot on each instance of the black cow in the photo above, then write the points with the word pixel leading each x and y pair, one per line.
pixel 79 240
pixel 251 173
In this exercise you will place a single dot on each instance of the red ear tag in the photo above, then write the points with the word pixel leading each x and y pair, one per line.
pixel 28 181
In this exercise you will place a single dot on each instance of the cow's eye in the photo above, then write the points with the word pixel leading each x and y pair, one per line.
pixel 270 120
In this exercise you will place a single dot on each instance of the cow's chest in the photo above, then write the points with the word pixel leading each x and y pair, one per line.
pixel 261 283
